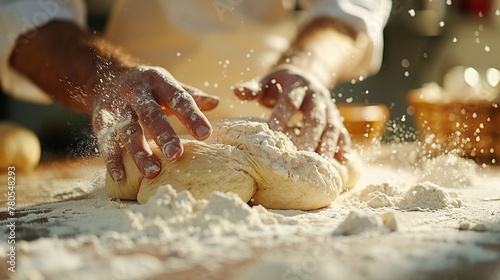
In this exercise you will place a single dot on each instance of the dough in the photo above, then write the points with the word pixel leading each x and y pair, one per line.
pixel 19 147
pixel 245 157
pixel 202 169
pixel 286 178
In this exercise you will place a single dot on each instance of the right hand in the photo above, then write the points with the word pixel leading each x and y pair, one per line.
pixel 289 90
pixel 134 103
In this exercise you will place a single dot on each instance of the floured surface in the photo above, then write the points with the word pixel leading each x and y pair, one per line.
pixel 393 225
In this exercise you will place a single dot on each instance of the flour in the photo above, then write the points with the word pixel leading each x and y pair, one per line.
pixel 223 214
pixel 387 230
pixel 450 171
pixel 358 222
pixel 430 196
pixel 177 214
pixel 374 195
pixel 421 196
pixel 428 184
pixel 467 225
pixel 190 227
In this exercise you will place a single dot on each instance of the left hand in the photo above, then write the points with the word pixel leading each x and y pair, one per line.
pixel 134 104
pixel 288 90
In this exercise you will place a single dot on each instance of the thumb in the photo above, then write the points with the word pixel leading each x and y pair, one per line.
pixel 249 90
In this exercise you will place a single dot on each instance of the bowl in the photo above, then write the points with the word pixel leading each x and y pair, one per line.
pixel 365 121
pixel 467 128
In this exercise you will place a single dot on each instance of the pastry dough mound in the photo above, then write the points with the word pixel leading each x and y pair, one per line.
pixel 247 158
pixel 19 147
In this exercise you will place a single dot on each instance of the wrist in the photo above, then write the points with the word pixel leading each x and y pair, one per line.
pixel 109 66
pixel 324 48
pixel 310 64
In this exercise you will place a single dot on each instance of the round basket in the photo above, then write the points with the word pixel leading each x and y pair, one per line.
pixel 365 122
pixel 468 128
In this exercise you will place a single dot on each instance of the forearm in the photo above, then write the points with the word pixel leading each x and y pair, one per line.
pixel 127 101
pixel 329 50
pixel 66 62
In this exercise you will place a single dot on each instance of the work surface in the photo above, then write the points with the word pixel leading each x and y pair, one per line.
pixel 406 219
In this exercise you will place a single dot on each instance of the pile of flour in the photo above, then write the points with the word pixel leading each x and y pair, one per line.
pixel 422 196
pixel 434 186
pixel 188 227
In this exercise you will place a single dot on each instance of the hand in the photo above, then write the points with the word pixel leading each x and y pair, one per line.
pixel 134 103
pixel 291 92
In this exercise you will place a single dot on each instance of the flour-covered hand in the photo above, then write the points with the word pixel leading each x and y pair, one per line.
pixel 130 105
pixel 291 93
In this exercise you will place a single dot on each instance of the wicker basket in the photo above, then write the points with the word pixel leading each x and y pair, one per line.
pixel 469 129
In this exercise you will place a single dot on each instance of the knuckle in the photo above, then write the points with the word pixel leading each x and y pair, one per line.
pixel 166 137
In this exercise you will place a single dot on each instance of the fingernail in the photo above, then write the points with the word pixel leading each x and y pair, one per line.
pixel 150 168
pixel 171 151
pixel 117 175
pixel 202 131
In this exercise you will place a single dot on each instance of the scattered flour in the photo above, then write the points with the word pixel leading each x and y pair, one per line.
pixel 170 214
pixel 358 222
pixel 186 226
pixel 450 171
pixel 421 196
pixel 375 195
pixel 431 188
pixel 95 238
pixel 480 225
pixel 467 225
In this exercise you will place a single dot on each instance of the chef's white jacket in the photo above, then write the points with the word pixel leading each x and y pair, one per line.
pixel 210 44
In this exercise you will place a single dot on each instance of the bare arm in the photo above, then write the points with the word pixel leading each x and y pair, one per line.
pixel 329 50
pixel 124 98
pixel 324 52
pixel 65 61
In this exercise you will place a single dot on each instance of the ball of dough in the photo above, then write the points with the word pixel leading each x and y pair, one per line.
pixel 19 147
pixel 203 169
pixel 247 158
pixel 286 178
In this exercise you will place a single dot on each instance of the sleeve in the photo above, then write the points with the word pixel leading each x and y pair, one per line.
pixel 368 16
pixel 19 16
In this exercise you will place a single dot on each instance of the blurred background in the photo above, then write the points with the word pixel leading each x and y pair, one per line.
pixel 423 39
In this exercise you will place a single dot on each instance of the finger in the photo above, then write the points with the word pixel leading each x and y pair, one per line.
pixel 329 142
pixel 335 141
pixel 289 104
pixel 272 90
pixel 132 137
pixel 108 143
pixel 204 100
pixel 314 122
pixel 178 101
pixel 249 90
pixel 156 123
pixel 342 153
pixel 112 153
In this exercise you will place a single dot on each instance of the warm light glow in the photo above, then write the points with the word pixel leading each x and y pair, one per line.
pixel 471 76
pixel 493 76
